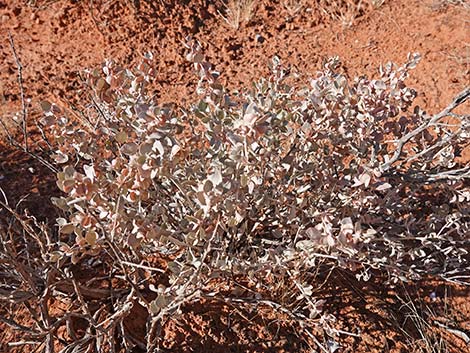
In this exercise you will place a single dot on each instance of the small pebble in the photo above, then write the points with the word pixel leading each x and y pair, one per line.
pixel 259 38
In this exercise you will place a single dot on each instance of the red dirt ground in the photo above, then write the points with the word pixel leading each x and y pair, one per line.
pixel 55 40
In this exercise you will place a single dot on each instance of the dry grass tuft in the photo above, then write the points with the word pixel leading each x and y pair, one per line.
pixel 238 12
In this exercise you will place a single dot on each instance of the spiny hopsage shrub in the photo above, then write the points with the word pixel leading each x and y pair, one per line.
pixel 269 184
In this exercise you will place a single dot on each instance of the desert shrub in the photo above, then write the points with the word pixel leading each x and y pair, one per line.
pixel 277 186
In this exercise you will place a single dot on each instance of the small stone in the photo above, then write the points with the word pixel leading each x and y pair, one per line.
pixel 259 38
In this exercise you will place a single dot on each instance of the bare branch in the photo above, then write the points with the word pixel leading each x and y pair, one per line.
pixel 458 100
pixel 20 83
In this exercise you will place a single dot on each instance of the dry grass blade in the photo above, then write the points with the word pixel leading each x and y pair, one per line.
pixel 238 12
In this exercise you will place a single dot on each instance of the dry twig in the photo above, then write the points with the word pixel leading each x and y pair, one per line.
pixel 400 144
pixel 19 67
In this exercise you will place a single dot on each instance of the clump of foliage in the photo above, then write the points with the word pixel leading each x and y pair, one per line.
pixel 277 185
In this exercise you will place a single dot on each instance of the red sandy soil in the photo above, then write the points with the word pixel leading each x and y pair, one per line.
pixel 56 40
